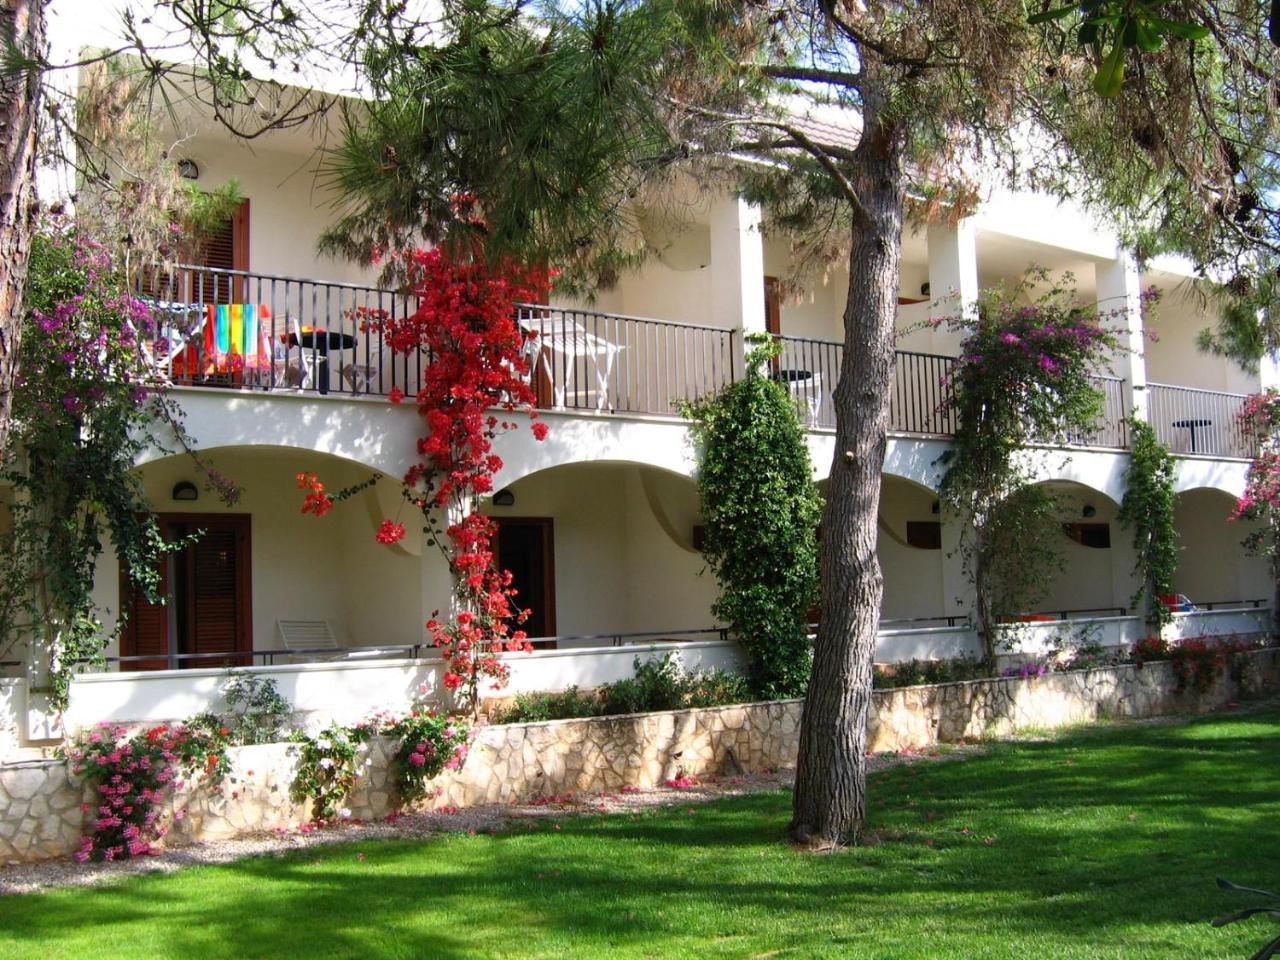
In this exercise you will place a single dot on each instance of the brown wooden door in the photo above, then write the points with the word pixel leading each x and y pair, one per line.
pixel 209 610
pixel 525 547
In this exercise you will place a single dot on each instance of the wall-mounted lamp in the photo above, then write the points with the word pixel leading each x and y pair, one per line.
pixel 185 490
pixel 1089 510
pixel 188 170
pixel 504 498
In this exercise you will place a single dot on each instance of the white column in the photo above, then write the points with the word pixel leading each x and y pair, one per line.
pixel 737 270
pixel 1119 290
pixel 953 264
pixel 958 596
pixel 1269 372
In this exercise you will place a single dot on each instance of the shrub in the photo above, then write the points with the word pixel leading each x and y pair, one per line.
pixel 913 673
pixel 761 509
pixel 429 744
pixel 566 704
pixel 130 775
pixel 658 684
pixel 256 712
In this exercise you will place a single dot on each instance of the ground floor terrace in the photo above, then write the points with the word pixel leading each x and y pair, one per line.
pixel 600 525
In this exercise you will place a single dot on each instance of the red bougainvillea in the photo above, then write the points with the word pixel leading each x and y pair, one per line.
pixel 474 386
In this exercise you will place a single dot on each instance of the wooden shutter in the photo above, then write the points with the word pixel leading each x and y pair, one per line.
pixel 209 587
pixel 218 593
pixel 146 628
pixel 223 248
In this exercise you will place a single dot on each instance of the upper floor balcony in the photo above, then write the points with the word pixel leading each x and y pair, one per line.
pixel 239 330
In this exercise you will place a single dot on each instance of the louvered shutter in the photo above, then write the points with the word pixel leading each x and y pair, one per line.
pixel 146 629
pixel 215 589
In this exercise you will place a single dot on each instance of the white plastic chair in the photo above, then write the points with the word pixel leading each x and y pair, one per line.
pixel 571 340
pixel 304 637
pixel 291 366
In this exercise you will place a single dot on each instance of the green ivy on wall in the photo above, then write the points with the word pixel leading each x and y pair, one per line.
pixel 1147 510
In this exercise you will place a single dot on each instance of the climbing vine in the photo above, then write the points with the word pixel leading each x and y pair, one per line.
pixel 475 386
pixel 1147 509
pixel 761 510
pixel 1260 421
pixel 86 404
pixel 1023 378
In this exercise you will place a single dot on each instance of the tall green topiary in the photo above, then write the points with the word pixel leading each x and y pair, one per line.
pixel 761 511
pixel 1147 510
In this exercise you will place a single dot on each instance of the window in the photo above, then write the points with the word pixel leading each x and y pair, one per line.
pixel 924 534
pixel 1095 535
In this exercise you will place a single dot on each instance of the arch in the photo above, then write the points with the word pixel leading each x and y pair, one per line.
pixel 373 433
pixel 1213 565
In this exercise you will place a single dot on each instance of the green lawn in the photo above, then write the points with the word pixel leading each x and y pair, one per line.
pixel 1103 843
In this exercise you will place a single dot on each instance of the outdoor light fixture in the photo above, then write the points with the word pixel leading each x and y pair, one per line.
pixel 185 490
pixel 1089 510
pixel 188 170
pixel 504 498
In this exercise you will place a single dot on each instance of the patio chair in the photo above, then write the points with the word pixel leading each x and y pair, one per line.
pixel 292 364
pixel 573 342
pixel 309 640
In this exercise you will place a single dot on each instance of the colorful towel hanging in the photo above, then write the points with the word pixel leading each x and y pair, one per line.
pixel 235 336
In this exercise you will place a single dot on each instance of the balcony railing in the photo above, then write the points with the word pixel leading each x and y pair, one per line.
pixel 591 361
pixel 811 368
pixel 229 328
pixel 226 328
pixel 252 331
pixel 1111 431
pixel 1206 422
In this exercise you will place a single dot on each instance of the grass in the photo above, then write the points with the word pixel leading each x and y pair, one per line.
pixel 1101 844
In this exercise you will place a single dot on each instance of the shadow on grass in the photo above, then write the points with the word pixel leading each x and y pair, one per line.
pixel 1108 839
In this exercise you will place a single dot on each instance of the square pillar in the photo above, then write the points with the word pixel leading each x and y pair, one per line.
pixel 737 271
pixel 953 264
pixel 953 278
pixel 1119 291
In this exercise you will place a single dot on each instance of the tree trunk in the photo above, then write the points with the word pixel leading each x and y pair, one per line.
pixel 22 22
pixel 830 784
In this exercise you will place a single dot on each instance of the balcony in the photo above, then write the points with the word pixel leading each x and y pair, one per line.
pixel 258 332
pixel 1198 422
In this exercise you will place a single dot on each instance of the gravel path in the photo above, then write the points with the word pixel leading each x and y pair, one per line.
pixel 28 877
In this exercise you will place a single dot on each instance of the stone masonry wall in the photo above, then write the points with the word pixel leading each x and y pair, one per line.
pixel 40 813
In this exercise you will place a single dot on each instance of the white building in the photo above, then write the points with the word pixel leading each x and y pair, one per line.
pixel 598 522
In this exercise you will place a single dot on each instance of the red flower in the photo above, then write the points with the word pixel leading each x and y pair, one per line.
pixel 396 395
pixel 389 532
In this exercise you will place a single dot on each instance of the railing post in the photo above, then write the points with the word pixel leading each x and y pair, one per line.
pixel 1119 291
pixel 737 273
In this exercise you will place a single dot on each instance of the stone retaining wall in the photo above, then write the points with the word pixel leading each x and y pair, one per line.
pixel 40 802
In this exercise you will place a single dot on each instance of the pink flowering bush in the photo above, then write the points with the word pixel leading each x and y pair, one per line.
pixel 328 764
pixel 1260 423
pixel 87 401
pixel 430 743
pixel 131 775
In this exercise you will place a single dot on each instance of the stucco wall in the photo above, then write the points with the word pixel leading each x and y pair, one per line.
pixel 303 568
pixel 40 816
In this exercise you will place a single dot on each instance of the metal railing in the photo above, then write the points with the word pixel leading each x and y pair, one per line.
pixel 253 331
pixel 244 658
pixel 919 385
pixel 1111 431
pixel 1206 422
pixel 605 362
